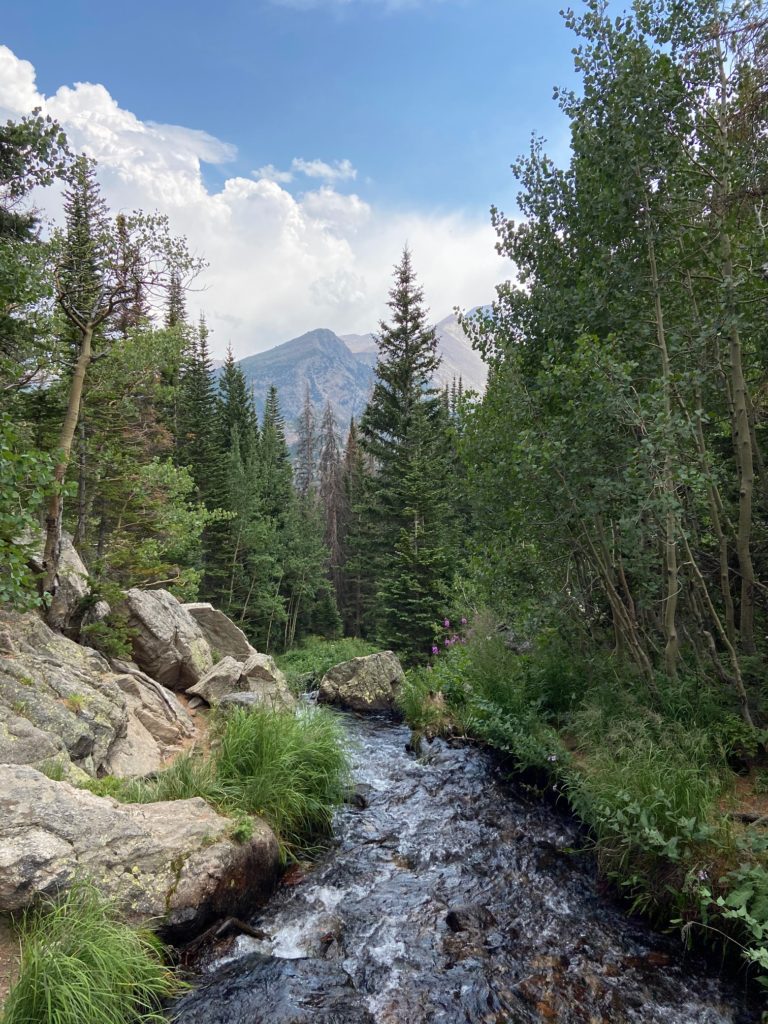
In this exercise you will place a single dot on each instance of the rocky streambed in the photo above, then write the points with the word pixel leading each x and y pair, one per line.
pixel 450 898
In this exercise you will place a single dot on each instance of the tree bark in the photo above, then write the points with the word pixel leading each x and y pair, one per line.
pixel 52 552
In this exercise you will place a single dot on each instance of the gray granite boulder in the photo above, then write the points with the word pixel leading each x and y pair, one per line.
pixel 72 583
pixel 223 636
pixel 173 864
pixel 63 702
pixel 370 683
pixel 258 676
pixel 167 642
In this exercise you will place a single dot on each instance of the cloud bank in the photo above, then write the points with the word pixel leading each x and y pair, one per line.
pixel 279 263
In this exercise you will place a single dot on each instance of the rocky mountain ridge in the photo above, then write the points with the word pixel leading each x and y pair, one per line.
pixel 339 369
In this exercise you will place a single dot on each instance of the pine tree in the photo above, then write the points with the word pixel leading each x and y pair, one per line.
pixel 175 309
pixel 306 447
pixel 196 442
pixel 235 409
pixel 274 459
pixel 331 492
pixel 402 540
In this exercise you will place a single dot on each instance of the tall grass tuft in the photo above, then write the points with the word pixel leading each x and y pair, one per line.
pixel 291 769
pixel 79 965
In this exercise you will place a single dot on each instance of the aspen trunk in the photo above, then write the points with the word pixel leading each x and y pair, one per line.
pixel 52 551
pixel 738 387
pixel 672 583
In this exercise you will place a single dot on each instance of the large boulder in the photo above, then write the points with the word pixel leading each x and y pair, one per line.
pixel 167 642
pixel 172 864
pixel 369 683
pixel 157 723
pixel 61 702
pixel 223 636
pixel 259 677
pixel 72 583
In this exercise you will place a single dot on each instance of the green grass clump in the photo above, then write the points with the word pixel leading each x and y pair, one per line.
pixel 81 965
pixel 306 665
pixel 291 769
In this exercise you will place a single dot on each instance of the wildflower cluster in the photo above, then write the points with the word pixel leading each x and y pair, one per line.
pixel 450 636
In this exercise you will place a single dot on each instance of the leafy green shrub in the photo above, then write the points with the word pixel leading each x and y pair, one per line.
pixel 111 636
pixel 26 474
pixel 423 703
pixel 649 792
pixel 81 965
pixel 305 666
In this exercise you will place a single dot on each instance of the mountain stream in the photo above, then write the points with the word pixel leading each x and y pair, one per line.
pixel 452 899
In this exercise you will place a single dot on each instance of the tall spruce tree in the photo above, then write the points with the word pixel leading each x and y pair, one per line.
pixel 331 492
pixel 306 448
pixel 403 433
pixel 196 442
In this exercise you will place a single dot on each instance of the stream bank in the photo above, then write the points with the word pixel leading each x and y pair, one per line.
pixel 449 898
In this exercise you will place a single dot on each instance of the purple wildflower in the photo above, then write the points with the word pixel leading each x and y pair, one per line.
pixel 463 622
pixel 435 649
pixel 447 623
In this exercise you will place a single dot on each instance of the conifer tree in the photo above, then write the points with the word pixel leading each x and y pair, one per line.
pixel 404 433
pixel 306 447
pixel 175 308
pixel 274 459
pixel 331 491
pixel 196 445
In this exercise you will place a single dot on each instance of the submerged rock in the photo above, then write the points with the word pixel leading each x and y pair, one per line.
pixel 369 683
pixel 172 864
pixel 167 642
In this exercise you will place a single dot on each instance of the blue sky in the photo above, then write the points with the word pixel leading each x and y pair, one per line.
pixel 428 101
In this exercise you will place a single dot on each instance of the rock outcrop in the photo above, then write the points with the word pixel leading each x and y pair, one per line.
pixel 259 678
pixel 167 642
pixel 172 864
pixel 223 636
pixel 369 683
pixel 72 583
pixel 63 702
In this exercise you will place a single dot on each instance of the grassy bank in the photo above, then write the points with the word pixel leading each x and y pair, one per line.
pixel 661 779
pixel 81 965
pixel 291 769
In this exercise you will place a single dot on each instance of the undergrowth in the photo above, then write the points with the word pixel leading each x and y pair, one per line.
pixel 81 965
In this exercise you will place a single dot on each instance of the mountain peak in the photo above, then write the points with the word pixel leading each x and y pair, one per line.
pixel 339 369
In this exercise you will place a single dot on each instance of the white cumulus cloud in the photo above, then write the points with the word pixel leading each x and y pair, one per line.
pixel 279 264
pixel 340 170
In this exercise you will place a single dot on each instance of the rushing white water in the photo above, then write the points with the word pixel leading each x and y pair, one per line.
pixel 450 899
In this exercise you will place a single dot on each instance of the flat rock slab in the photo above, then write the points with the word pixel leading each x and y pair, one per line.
pixel 223 636
pixel 370 683
pixel 171 864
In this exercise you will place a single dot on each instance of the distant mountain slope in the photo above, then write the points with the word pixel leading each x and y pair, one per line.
pixel 340 369
pixel 459 359
pixel 319 358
